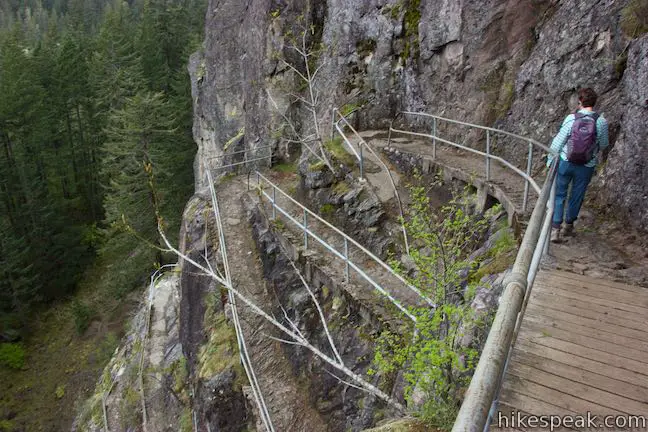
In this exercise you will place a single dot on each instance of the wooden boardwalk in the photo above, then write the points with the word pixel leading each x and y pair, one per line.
pixel 582 347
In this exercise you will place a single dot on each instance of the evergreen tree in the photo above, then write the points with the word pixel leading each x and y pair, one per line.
pixel 95 108
pixel 136 134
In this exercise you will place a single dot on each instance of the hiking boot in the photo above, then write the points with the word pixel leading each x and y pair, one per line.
pixel 568 230
pixel 555 235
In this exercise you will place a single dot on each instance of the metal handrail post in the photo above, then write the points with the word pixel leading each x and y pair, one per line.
pixel 528 173
pixel 305 229
pixel 274 200
pixel 361 162
pixel 550 209
pixel 434 132
pixel 488 156
pixel 346 259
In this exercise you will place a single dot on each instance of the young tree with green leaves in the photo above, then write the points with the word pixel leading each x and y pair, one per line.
pixel 436 366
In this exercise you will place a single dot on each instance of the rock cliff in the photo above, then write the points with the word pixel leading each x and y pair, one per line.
pixel 512 64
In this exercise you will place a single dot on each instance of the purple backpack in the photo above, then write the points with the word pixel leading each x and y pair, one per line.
pixel 581 144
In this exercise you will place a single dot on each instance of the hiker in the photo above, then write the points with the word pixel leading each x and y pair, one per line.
pixel 582 135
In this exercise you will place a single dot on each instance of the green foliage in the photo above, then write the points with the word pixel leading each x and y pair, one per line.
pixel 185 424
pixel 286 168
pixel 107 347
pixel 393 10
pixel 82 314
pixel 620 65
pixel 279 224
pixel 179 372
pixel 6 425
pixel 339 153
pixel 411 21
pixel 220 351
pixel 60 391
pixel 74 75
pixel 327 209
pixel 129 408
pixel 499 257
pixel 505 100
pixel 12 355
pixel 317 166
pixel 634 18
pixel 433 361
pixel 349 108
pixel 341 188
pixel 67 77
pixel 505 243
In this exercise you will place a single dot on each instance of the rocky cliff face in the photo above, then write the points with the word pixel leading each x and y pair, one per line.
pixel 512 64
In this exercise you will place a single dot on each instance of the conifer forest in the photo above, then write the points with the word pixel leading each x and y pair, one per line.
pixel 96 146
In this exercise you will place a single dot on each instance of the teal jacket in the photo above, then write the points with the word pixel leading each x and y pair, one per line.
pixel 559 141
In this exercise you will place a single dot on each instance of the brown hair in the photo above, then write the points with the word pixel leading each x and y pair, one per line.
pixel 587 97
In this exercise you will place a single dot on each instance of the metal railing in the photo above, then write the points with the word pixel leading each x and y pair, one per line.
pixel 360 155
pixel 340 129
pixel 245 155
pixel 264 185
pixel 488 154
pixel 481 398
pixel 246 361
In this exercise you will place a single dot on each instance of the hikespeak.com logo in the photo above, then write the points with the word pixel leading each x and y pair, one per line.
pixel 517 419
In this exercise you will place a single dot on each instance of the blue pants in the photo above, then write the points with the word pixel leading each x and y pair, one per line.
pixel 579 176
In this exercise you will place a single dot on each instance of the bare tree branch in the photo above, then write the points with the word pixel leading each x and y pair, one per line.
pixel 366 386
pixel 315 301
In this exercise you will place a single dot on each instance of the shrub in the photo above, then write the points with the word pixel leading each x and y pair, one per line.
pixel 82 314
pixel 12 355
pixel 433 362
pixel 60 391
pixel 327 209
pixel 286 168
pixel 337 150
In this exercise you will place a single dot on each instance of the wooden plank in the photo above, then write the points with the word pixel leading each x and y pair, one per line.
pixel 557 295
pixel 555 397
pixel 601 335
pixel 584 294
pixel 583 311
pixel 602 357
pixel 595 281
pixel 617 295
pixel 528 403
pixel 539 310
pixel 575 373
pixel 540 330
pixel 616 373
pixel 576 389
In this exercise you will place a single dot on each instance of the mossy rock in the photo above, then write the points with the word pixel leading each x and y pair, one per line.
pixel 634 18
pixel 220 351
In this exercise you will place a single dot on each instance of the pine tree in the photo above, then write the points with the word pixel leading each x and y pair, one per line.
pixel 136 134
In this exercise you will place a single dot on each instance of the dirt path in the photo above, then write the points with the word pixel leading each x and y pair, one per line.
pixel 472 165
pixel 361 288
pixel 602 248
pixel 286 398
